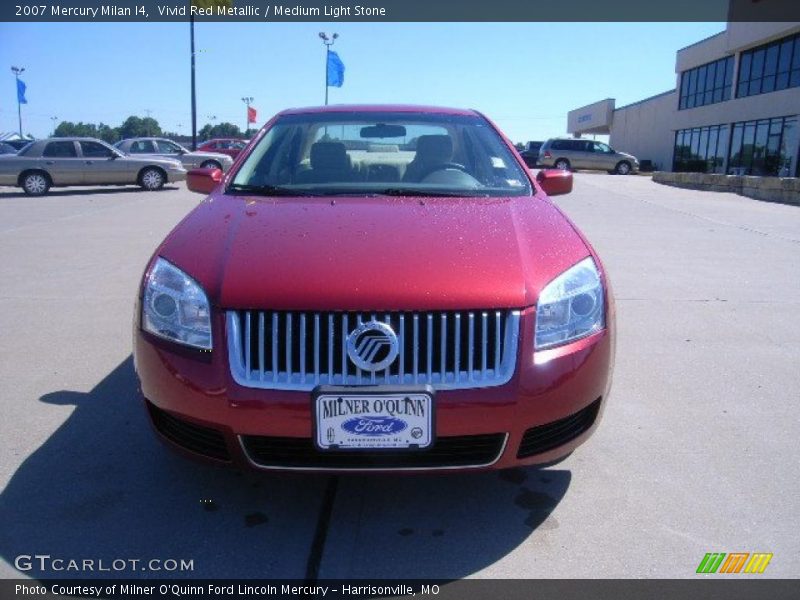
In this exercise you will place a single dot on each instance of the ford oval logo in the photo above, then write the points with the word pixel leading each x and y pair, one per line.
pixel 372 346
pixel 374 426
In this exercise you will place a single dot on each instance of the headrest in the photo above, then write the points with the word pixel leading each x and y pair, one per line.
pixel 329 155
pixel 434 148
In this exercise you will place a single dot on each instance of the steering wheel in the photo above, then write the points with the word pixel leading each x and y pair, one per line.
pixel 442 167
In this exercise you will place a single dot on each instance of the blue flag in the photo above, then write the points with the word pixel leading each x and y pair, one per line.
pixel 335 70
pixel 21 92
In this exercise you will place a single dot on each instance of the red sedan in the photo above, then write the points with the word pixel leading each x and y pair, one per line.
pixel 231 147
pixel 376 288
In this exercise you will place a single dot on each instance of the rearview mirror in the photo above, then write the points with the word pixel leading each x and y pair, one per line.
pixel 203 181
pixel 382 130
pixel 555 182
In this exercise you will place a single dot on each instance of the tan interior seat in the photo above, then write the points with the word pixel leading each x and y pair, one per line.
pixel 431 150
pixel 329 163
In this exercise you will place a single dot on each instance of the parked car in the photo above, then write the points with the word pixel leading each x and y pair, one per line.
pixel 414 304
pixel 531 153
pixel 585 154
pixel 231 147
pixel 67 161
pixel 7 148
pixel 169 149
pixel 17 144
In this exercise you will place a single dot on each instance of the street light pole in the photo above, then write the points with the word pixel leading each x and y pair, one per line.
pixel 148 112
pixel 54 119
pixel 17 71
pixel 248 100
pixel 328 41
pixel 194 93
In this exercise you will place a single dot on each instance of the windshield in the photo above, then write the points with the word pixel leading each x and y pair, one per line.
pixel 375 153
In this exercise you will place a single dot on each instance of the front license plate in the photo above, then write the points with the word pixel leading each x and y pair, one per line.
pixel 346 421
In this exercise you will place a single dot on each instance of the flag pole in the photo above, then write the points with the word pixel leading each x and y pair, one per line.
pixel 328 41
pixel 327 58
pixel 247 101
pixel 17 71
pixel 19 107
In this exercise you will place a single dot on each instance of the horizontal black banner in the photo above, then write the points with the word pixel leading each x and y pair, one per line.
pixel 401 10
pixel 731 588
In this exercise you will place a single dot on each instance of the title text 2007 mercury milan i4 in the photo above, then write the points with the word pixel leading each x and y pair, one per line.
pixel 376 288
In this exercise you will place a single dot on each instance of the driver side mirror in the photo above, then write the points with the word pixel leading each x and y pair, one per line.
pixel 555 182
pixel 203 181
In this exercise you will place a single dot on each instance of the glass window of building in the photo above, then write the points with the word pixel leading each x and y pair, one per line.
pixel 701 149
pixel 764 147
pixel 769 68
pixel 706 84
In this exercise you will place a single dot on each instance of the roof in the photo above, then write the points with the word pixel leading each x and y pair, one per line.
pixel 407 108
pixel 12 136
pixel 645 100
pixel 71 138
pixel 697 43
pixel 146 137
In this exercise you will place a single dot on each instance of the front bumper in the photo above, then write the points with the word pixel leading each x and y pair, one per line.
pixel 176 175
pixel 552 404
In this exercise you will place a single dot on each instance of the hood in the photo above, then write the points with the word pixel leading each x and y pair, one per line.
pixel 152 159
pixel 373 253
pixel 202 154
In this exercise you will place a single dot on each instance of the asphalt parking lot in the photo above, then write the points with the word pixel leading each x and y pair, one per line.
pixel 697 451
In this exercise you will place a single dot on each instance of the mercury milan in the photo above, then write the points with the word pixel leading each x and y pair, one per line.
pixel 376 288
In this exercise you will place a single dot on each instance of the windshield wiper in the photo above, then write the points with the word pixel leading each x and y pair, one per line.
pixel 268 190
pixel 430 193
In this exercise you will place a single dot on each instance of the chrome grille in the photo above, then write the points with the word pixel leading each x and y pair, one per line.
pixel 300 350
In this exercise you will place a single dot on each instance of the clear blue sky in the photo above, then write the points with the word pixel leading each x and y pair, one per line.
pixel 525 76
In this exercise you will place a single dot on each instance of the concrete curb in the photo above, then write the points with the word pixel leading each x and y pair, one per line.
pixel 785 190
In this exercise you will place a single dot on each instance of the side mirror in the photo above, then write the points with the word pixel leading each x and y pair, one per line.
pixel 555 182
pixel 203 181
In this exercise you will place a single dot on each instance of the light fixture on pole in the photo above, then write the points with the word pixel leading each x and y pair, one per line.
pixel 248 100
pixel 328 41
pixel 17 71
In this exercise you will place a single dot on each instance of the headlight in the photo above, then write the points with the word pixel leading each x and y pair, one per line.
pixel 175 307
pixel 570 307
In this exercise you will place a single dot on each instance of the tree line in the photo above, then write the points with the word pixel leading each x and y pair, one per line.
pixel 145 127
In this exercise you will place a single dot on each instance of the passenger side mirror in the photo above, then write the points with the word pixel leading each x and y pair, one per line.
pixel 555 182
pixel 203 181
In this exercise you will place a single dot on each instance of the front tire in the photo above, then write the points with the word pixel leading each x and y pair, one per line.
pixel 152 179
pixel 211 164
pixel 623 168
pixel 36 183
pixel 562 164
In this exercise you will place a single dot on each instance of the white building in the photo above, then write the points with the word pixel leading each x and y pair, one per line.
pixel 734 108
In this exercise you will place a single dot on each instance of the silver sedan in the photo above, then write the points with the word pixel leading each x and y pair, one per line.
pixel 151 146
pixel 83 161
